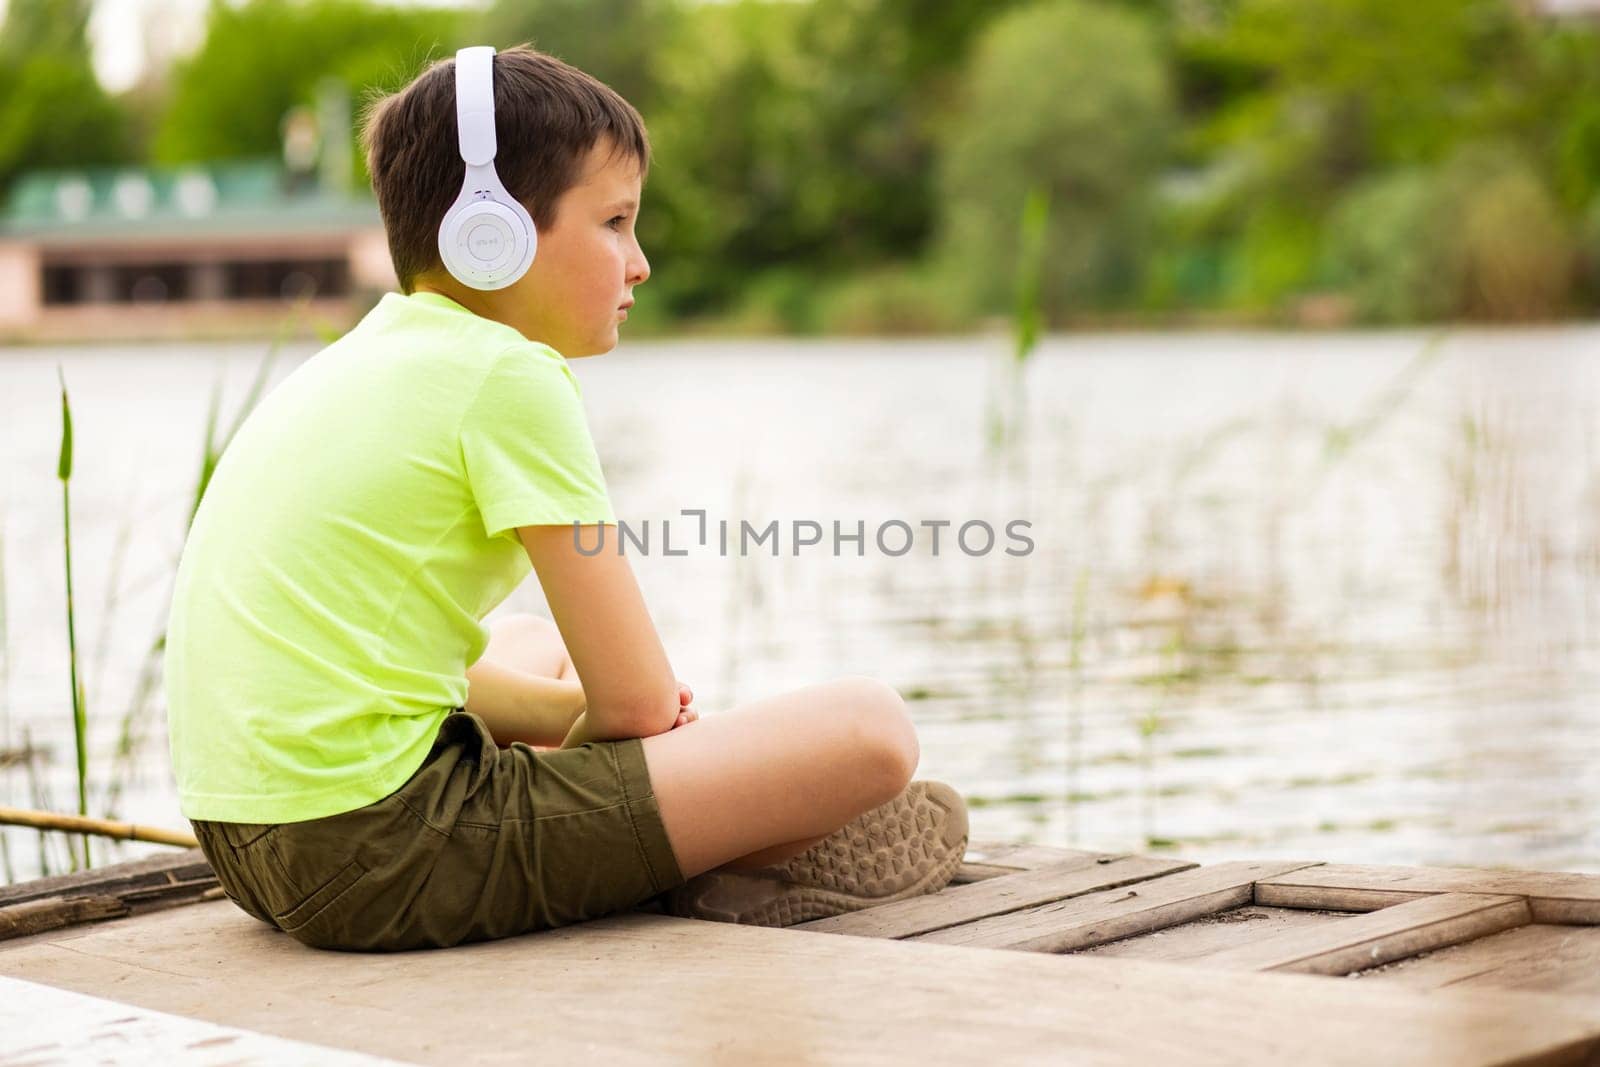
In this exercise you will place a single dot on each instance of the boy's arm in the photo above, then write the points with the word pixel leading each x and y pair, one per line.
pixel 517 706
pixel 581 734
pixel 628 684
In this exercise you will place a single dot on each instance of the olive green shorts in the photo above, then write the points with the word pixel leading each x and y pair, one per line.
pixel 481 842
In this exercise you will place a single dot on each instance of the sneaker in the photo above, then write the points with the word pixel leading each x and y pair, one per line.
pixel 910 846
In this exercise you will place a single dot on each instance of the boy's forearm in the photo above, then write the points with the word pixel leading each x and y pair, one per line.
pixel 517 706
pixel 580 733
pixel 583 730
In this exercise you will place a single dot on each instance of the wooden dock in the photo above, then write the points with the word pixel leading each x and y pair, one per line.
pixel 1031 955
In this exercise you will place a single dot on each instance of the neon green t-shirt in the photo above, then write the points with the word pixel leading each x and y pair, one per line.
pixel 356 530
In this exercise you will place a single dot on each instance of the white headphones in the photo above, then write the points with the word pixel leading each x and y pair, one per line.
pixel 487 239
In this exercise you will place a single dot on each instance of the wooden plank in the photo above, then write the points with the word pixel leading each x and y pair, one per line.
pixel 1105 916
pixel 37 916
pixel 1553 896
pixel 165 869
pixel 1540 958
pixel 103 893
pixel 48 1027
pixel 994 859
pixel 639 988
pixel 1198 937
pixel 996 896
pixel 1378 937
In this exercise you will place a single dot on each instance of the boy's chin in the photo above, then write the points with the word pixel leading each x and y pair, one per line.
pixel 601 345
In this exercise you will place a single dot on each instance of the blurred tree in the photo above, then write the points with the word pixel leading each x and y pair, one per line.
pixel 264 57
pixel 852 161
pixel 1515 250
pixel 617 41
pixel 58 26
pixel 785 143
pixel 821 156
pixel 54 113
pixel 1325 93
pixel 1477 237
pixel 1074 97
pixel 1390 248
pixel 1550 104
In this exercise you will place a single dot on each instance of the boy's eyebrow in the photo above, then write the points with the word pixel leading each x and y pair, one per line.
pixel 627 204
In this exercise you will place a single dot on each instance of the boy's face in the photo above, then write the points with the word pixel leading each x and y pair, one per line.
pixel 584 269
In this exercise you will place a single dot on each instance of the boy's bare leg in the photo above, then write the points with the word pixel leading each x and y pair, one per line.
pixel 805 762
pixel 776 854
pixel 768 779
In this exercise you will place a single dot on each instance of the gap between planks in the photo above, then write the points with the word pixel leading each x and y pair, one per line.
pixel 994 897
pixel 1110 915
pixel 1378 937
pixel 1555 897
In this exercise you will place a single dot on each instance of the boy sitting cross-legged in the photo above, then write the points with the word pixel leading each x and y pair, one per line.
pixel 366 764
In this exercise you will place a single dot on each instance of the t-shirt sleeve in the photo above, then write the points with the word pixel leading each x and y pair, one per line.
pixel 525 444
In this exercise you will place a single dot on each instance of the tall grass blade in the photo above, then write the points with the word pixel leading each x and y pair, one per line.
pixel 1030 270
pixel 1027 318
pixel 79 716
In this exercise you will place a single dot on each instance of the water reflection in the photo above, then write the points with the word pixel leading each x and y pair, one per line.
pixel 1328 596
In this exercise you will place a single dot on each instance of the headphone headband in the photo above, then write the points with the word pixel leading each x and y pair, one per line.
pixel 475 103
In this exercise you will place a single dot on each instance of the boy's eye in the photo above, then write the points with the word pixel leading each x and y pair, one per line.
pixel 617 219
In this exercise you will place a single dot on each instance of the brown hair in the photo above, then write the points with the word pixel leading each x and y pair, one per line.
pixel 547 118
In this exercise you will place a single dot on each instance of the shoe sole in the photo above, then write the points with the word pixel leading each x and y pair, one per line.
pixel 908 847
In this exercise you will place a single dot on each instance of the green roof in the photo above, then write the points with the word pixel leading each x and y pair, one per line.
pixel 219 198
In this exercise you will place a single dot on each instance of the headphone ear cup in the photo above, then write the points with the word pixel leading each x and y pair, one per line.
pixel 487 244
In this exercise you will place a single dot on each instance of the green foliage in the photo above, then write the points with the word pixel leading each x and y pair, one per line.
pixel 264 57
pixel 1478 237
pixel 894 300
pixel 60 27
pixel 1074 98
pixel 785 134
pixel 1589 255
pixel 55 113
pixel 1336 132
pixel 861 164
pixel 1386 239
pixel 614 40
pixel 1353 83
pixel 1515 252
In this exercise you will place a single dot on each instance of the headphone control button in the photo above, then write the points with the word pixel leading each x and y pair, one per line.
pixel 487 243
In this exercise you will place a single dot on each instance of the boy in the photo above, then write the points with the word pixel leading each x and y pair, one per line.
pixel 356 750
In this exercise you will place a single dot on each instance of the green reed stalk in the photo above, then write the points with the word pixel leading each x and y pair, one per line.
pixel 1027 319
pixel 80 724
pixel 1030 270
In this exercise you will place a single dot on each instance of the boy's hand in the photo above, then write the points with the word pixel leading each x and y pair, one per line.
pixel 686 714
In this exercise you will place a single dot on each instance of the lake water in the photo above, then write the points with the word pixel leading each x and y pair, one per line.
pixel 1330 596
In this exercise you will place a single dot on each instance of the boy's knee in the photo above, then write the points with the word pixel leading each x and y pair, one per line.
pixel 523 624
pixel 884 729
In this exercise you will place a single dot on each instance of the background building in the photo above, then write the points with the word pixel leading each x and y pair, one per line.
pixel 217 250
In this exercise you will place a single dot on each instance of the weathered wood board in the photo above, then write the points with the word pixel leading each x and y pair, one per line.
pixel 1096 918
pixel 1108 943
pixel 1540 958
pixel 1553 896
pixel 653 989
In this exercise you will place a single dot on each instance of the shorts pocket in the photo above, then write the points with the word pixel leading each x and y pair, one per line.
pixel 321 899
